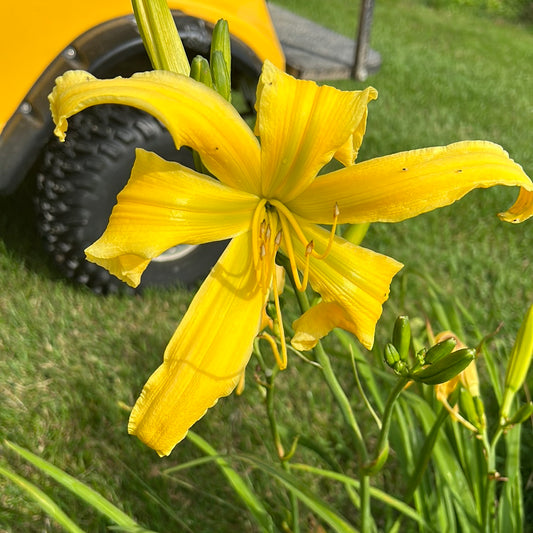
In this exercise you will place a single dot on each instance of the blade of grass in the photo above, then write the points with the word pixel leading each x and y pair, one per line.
pixel 192 463
pixel 240 486
pixel 43 500
pixel 511 505
pixel 375 492
pixel 88 495
pixel 302 492
pixel 449 469
pixel 366 373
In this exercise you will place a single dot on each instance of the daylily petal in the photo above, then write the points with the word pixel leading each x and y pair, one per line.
pixel 207 354
pixel 165 204
pixel 317 322
pixel 353 282
pixel 347 153
pixel 195 116
pixel 302 126
pixel 404 185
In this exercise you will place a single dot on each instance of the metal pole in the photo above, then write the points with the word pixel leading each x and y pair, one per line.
pixel 359 69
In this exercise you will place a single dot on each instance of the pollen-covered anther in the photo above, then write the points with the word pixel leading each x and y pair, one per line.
pixel 277 240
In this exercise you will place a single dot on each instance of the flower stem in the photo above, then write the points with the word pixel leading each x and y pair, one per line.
pixel 490 482
pixel 382 447
pixel 347 412
pixel 344 405
pixel 269 387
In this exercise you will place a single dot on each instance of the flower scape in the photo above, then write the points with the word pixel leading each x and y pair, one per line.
pixel 268 197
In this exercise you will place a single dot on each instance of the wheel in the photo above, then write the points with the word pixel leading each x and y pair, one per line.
pixel 77 185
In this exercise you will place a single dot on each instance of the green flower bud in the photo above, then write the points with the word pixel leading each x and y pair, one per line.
pixel 518 365
pixel 201 72
pixel 445 368
pixel 440 350
pixel 220 42
pixel 391 355
pixel 221 76
pixel 401 368
pixel 401 336
pixel 392 358
pixel 160 36
pixel 220 59
pixel 420 357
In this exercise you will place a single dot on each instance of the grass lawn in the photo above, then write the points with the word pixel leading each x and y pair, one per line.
pixel 70 359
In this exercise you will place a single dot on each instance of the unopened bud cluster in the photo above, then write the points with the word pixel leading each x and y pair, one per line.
pixel 216 73
pixel 436 365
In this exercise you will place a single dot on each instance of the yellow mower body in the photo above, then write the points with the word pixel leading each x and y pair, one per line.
pixel 75 183
pixel 34 33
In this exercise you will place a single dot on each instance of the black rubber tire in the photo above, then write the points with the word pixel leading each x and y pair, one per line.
pixel 77 185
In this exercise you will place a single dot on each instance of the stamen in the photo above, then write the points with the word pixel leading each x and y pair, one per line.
pixel 308 253
pixel 298 230
pixel 290 217
pixel 283 363
pixel 271 250
pixel 290 253
pixel 336 213
pixel 273 346
pixel 255 237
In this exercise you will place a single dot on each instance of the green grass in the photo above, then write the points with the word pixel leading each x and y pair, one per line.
pixel 68 357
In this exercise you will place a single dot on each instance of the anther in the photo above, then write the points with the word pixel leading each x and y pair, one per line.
pixel 257 229
pixel 309 248
pixel 263 251
pixel 277 240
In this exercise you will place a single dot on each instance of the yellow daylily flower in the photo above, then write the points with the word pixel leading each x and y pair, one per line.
pixel 267 198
